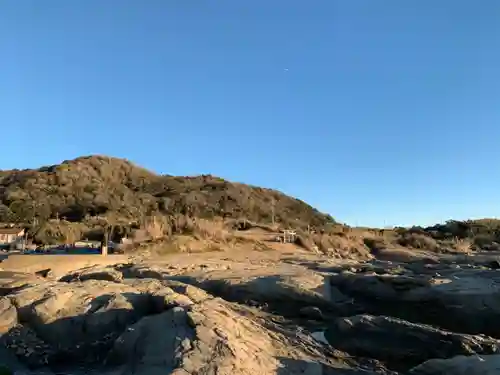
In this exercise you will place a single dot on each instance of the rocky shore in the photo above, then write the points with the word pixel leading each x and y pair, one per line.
pixel 257 313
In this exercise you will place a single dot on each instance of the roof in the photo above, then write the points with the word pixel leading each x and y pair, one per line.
pixel 11 230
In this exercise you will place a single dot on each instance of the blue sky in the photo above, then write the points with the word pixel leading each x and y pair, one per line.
pixel 377 112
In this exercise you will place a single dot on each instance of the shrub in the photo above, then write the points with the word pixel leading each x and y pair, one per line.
pixel 55 232
pixel 418 241
pixel 483 240
pixel 375 244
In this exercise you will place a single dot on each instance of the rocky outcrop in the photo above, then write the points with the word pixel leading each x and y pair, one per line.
pixel 144 326
pixel 8 315
pixel 455 299
pixel 207 339
pixel 12 281
pixel 93 312
pixel 94 273
pixel 395 340
pixel 218 317
pixel 274 289
pixel 462 365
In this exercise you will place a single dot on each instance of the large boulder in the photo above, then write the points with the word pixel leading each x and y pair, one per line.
pixel 13 281
pixel 462 365
pixel 285 290
pixel 8 315
pixel 156 344
pixel 397 341
pixel 203 338
pixel 80 318
pixel 463 300
pixel 106 273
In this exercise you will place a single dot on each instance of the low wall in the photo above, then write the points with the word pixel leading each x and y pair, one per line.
pixel 58 264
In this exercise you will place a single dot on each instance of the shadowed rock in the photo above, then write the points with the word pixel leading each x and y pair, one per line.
pixel 462 300
pixel 474 365
pixel 396 340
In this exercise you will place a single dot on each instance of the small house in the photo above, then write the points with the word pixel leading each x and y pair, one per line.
pixel 11 236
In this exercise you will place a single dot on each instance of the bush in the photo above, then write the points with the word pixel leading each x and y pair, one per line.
pixel 55 232
pixel 418 241
pixel 161 227
pixel 375 244
pixel 304 242
pixel 483 241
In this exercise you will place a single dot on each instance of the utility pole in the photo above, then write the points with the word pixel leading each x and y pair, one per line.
pixel 273 202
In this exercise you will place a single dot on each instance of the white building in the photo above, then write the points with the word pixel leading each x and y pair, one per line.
pixel 11 236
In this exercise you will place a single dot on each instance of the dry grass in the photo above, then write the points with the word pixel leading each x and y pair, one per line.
pixel 463 246
pixel 163 234
pixel 172 231
pixel 340 244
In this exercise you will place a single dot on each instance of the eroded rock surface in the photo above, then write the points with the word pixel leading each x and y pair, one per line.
pixel 462 365
pixel 393 339
pixel 463 300
pixel 255 314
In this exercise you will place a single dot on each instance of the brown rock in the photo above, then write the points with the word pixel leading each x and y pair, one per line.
pixel 8 315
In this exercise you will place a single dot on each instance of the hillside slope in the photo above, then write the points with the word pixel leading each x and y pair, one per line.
pixel 111 187
pixel 77 198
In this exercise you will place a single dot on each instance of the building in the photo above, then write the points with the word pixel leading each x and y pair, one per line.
pixel 11 236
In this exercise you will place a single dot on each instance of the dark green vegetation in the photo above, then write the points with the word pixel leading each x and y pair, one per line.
pixel 100 189
pixel 91 186
pixel 75 199
pixel 479 234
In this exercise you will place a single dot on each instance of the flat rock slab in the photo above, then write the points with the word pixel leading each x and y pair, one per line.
pixel 58 264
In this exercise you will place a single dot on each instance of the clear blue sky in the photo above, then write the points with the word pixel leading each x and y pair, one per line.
pixel 377 112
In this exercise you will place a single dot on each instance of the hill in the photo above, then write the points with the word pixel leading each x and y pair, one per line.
pixel 77 198
pixel 117 191
pixel 98 185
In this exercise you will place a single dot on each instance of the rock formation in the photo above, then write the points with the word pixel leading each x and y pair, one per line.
pixel 254 313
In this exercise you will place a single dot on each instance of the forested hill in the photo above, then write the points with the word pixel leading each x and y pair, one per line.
pixel 112 187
